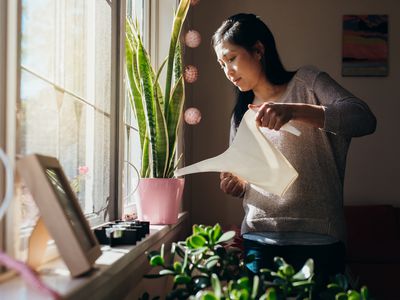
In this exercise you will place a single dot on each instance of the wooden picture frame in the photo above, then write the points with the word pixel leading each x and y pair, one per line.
pixel 60 211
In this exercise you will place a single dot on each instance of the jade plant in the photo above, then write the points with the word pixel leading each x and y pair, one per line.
pixel 207 266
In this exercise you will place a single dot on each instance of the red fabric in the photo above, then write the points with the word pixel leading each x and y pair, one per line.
pixel 373 248
pixel 373 222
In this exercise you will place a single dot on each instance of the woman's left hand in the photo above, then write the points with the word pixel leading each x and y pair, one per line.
pixel 232 185
pixel 272 115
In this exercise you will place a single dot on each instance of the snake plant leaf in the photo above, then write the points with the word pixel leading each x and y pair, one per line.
pixel 146 84
pixel 135 96
pixel 145 168
pixel 173 118
pixel 158 115
pixel 180 16
pixel 178 69
pixel 154 116
pixel 157 88
pixel 132 75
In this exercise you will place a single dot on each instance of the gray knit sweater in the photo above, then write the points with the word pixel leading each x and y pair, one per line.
pixel 314 202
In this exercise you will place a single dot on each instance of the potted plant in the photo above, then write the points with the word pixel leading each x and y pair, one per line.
pixel 158 114
pixel 207 266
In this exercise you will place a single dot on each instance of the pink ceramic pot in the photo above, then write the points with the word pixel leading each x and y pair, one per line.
pixel 160 199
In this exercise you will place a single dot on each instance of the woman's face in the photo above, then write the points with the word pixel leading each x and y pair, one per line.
pixel 241 67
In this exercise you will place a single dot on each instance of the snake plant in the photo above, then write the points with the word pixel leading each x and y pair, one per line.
pixel 158 113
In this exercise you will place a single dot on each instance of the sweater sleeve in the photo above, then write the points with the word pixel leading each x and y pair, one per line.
pixel 345 114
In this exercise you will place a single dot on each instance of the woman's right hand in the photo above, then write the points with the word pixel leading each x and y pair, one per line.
pixel 232 185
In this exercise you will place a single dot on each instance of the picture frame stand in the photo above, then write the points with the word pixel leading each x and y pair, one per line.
pixel 37 244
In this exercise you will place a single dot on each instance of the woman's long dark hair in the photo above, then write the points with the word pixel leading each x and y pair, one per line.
pixel 245 30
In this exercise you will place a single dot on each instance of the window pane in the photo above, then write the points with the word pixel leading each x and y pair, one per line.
pixel 39 37
pixel 135 9
pixel 65 103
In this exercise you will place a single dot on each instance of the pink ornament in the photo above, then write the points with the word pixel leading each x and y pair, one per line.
pixel 192 116
pixel 194 2
pixel 190 74
pixel 83 170
pixel 192 38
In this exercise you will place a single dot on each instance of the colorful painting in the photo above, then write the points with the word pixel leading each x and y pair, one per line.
pixel 365 45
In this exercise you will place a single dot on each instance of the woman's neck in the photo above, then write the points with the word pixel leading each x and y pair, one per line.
pixel 268 92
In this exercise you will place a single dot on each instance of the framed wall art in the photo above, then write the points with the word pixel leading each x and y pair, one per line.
pixel 365 45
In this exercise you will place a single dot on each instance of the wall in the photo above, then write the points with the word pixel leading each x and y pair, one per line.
pixel 306 32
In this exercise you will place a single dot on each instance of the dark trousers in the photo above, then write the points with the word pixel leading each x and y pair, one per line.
pixel 329 259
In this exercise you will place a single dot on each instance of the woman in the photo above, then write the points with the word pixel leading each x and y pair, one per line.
pixel 308 220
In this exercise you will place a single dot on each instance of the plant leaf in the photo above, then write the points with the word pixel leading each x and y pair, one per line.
pixel 154 116
pixel 181 279
pixel 156 260
pixel 216 285
pixel 196 241
pixel 166 272
pixel 353 295
pixel 134 94
pixel 216 233
pixel 364 293
pixel 306 271
pixel 226 236
pixel 256 283
pixel 179 18
pixel 174 114
pixel 271 294
pixel 211 261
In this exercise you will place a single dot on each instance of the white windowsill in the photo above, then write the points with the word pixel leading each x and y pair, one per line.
pixel 115 274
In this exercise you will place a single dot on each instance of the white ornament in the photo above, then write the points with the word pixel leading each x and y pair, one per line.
pixel 192 38
pixel 192 116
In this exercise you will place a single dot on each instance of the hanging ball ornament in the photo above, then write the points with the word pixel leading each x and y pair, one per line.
pixel 192 38
pixel 192 116
pixel 190 74
pixel 194 2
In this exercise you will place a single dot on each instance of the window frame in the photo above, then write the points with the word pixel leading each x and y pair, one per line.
pixel 10 76
pixel 155 19
pixel 10 53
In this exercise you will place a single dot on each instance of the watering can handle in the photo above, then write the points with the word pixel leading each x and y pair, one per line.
pixel 138 176
pixel 9 183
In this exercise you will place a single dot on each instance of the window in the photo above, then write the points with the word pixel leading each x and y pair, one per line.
pixel 66 97
pixel 132 160
pixel 66 89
